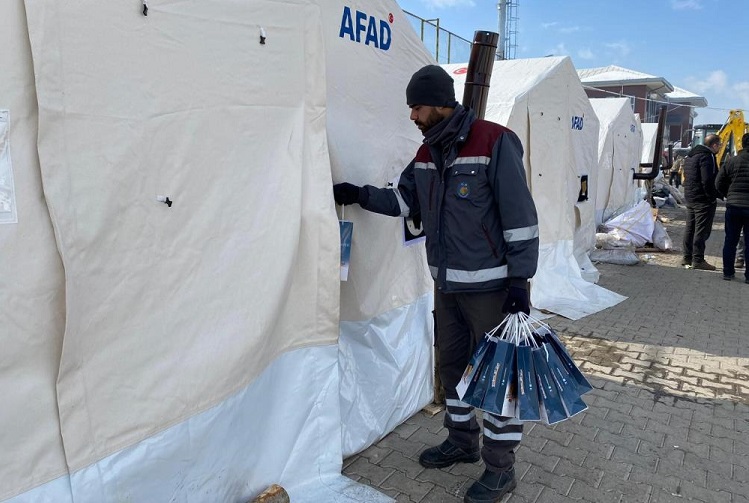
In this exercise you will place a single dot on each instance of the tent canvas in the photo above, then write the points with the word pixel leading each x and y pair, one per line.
pixel 193 349
pixel 619 145
pixel 543 101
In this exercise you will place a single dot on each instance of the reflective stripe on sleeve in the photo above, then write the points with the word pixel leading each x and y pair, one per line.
pixel 405 210
pixel 521 233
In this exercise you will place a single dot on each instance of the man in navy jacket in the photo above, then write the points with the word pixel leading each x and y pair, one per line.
pixel 467 185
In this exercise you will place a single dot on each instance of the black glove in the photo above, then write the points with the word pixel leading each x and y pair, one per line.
pixel 346 193
pixel 517 300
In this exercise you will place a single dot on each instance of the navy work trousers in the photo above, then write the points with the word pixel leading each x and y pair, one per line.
pixel 462 319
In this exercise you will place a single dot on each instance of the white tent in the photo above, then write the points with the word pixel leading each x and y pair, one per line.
pixel 190 352
pixel 619 146
pixel 543 101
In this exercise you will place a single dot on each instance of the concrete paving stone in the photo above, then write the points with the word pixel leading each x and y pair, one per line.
pixel 695 437
pixel 663 496
pixel 687 446
pixel 740 474
pixel 438 495
pixel 633 425
pixel 690 490
pixel 580 491
pixel 617 469
pixel 405 430
pixel 398 461
pixel 451 483
pixel 576 456
pixel 725 422
pixel 374 453
pixel 666 452
pixel 533 442
pixel 734 486
pixel 615 405
pixel 402 498
pixel 524 492
pixel 687 471
pixel 433 424
pixel 397 481
pixel 551 496
pixel 468 470
pixel 631 492
pixel 547 433
pixel 366 470
pixel 614 439
pixel 546 462
pixel 536 476
pixel 740 498
pixel 587 444
pixel 721 431
pixel 416 443
pixel 632 457
pixel 697 391
pixel 591 476
pixel 647 477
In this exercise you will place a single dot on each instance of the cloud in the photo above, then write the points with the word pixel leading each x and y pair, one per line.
pixel 546 26
pixel 716 81
pixel 585 54
pixel 569 29
pixel 443 4
pixel 741 90
pixel 558 50
pixel 620 48
pixel 686 4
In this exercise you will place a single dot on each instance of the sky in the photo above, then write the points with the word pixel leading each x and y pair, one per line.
pixel 690 43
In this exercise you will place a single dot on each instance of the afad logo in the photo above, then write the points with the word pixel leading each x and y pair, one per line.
pixel 577 122
pixel 366 29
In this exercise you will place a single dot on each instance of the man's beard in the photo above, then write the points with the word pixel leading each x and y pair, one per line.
pixel 433 119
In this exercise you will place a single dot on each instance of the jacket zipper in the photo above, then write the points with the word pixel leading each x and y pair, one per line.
pixel 431 193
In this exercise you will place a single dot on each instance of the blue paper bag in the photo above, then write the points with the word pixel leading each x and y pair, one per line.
pixel 472 373
pixel 552 409
pixel 527 389
pixel 548 335
pixel 568 390
pixel 501 371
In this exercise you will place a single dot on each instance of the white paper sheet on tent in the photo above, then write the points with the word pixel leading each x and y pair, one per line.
pixel 32 290
pixel 8 212
pixel 619 147
pixel 243 266
pixel 538 98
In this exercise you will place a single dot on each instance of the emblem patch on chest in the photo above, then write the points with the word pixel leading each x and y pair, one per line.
pixel 464 190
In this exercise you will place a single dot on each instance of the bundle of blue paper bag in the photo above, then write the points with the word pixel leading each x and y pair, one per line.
pixel 521 369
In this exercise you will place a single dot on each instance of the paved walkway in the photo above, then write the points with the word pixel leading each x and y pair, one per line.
pixel 669 417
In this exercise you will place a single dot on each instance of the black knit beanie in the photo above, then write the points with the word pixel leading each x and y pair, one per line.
pixel 431 86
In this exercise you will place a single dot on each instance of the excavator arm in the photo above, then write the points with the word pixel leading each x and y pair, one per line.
pixel 730 136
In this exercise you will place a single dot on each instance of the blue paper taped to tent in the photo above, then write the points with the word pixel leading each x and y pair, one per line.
pixel 347 234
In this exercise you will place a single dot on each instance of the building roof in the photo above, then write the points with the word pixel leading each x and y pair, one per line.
pixel 612 75
pixel 680 95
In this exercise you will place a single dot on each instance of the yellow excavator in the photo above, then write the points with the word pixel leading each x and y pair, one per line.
pixel 730 135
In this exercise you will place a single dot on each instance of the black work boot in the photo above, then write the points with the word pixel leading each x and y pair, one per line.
pixel 702 265
pixel 491 487
pixel 686 261
pixel 447 454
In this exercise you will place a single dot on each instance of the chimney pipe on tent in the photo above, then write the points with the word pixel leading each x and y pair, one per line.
pixel 650 175
pixel 479 72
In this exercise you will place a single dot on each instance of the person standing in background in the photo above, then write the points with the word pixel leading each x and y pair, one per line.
pixel 733 182
pixel 700 170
